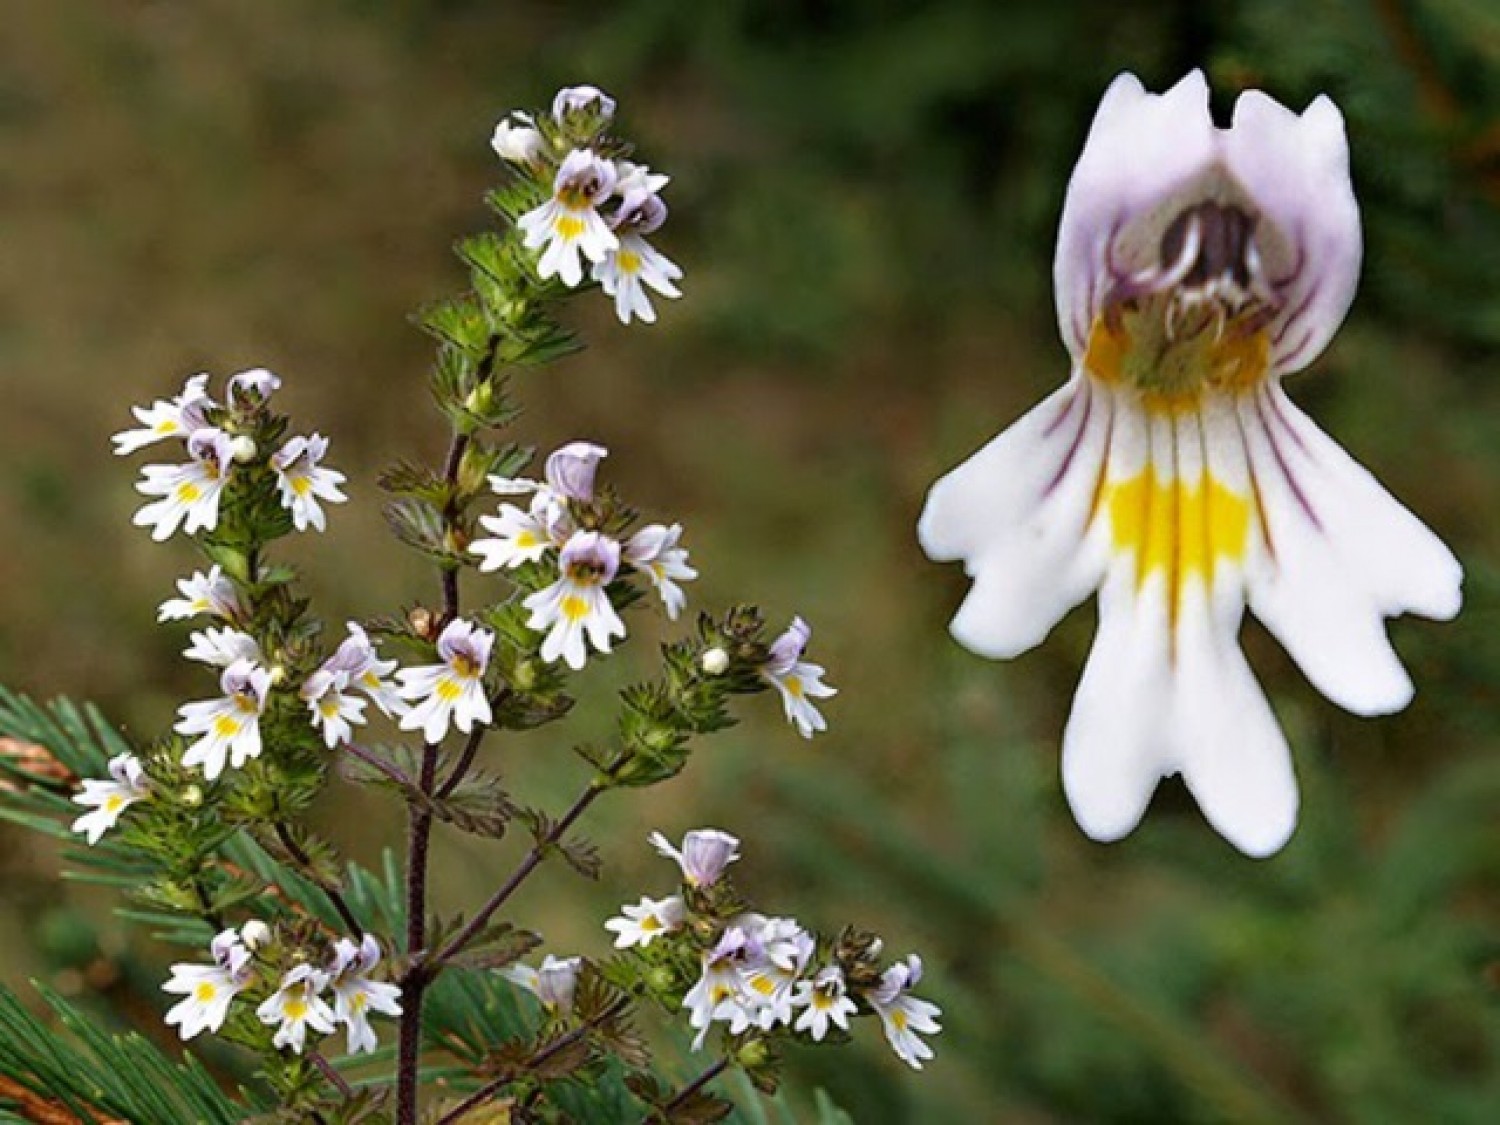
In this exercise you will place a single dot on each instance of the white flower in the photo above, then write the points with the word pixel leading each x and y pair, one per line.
pixel 704 855
pixel 577 605
pixel 208 988
pixel 715 996
pixel 517 140
pixel 334 711
pixel 571 469
pixel 823 1000
pixel 453 690
pixel 222 647
pixel 357 659
pixel 634 264
pixel 255 934
pixel 167 418
pixel 768 981
pixel 1195 268
pixel 108 799
pixel 902 1015
pixel 798 681
pixel 553 983
pixel 569 223
pixel 255 385
pixel 582 99
pixel 653 551
pixel 518 536
pixel 644 923
pixel 229 726
pixel 355 995
pixel 297 1005
pixel 189 493
pixel 302 482
pixel 211 593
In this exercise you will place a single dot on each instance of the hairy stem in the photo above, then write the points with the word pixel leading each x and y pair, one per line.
pixel 695 1085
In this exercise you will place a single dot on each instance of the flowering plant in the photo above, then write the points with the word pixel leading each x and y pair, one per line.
pixel 357 1003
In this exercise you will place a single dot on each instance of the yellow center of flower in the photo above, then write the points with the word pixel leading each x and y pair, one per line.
pixel 301 486
pixel 448 689
pixel 187 492
pixel 114 803
pixel 526 540
pixel 898 1020
pixel 204 992
pixel 650 924
pixel 628 262
pixel 225 727
pixel 568 227
pixel 359 1003
pixel 1173 355
pixel 574 608
pixel 295 1009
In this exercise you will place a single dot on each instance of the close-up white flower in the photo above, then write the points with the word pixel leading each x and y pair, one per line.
pixel 634 265
pixel 188 494
pixel 335 712
pixel 296 1005
pixel 208 989
pixel 1196 267
pixel 576 608
pixel 303 482
pixel 355 995
pixel 797 681
pixel 824 1001
pixel 553 982
pixel 168 418
pixel 451 691
pixel 704 854
pixel 209 592
pixel 222 647
pixel 569 225
pixel 358 660
pixel 715 996
pixel 654 552
pixel 106 800
pixel 228 727
pixel 648 920
pixel 903 1016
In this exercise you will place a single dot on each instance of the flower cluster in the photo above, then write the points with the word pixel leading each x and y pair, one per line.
pixel 575 611
pixel 755 973
pixel 599 207
pixel 295 998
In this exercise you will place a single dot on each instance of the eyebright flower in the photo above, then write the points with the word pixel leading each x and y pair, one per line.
pixel 297 1005
pixel 571 469
pixel 553 983
pixel 644 923
pixel 798 681
pixel 189 493
pixel 254 386
pixel 625 272
pixel 1195 268
pixel 357 658
pixel 902 1015
pixel 452 691
pixel 517 140
pixel 569 223
pixel 210 593
pixel 823 1000
pixel 582 99
pixel 208 988
pixel 768 981
pixel 334 711
pixel 715 996
pixel 355 995
pixel 518 536
pixel 229 726
pixel 108 799
pixel 222 647
pixel 302 482
pixel 167 418
pixel 577 604
pixel 653 551
pixel 705 853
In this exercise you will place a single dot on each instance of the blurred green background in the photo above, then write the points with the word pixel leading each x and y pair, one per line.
pixel 865 197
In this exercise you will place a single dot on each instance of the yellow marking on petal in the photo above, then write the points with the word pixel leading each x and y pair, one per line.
pixel 329 707
pixel 525 540
pixel 628 261
pixel 1173 369
pixel 225 727
pixel 370 680
pixel 294 1009
pixel 359 1003
pixel 568 227
pixel 1179 528
pixel 114 803
pixel 793 685
pixel 720 992
pixel 187 492
pixel 574 608
pixel 764 985
pixel 166 427
pixel 205 991
pixel 650 924
pixel 898 1020
pixel 301 486
pixel 448 690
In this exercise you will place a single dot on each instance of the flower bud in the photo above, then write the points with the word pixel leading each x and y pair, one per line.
pixel 714 661
pixel 516 139
pixel 255 934
pixel 242 449
pixel 191 796
pixel 582 99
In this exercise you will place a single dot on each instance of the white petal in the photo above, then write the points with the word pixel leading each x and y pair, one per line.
pixel 1140 149
pixel 1017 513
pixel 1296 170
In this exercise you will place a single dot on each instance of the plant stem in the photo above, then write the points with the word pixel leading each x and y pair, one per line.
pixel 528 864
pixel 303 860
pixel 488 1091
pixel 695 1085
pixel 375 761
pixel 333 1076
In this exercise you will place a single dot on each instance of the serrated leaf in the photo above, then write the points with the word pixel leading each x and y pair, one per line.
pixel 582 856
pixel 699 1108
pixel 419 524
pixel 480 805
pixel 497 946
